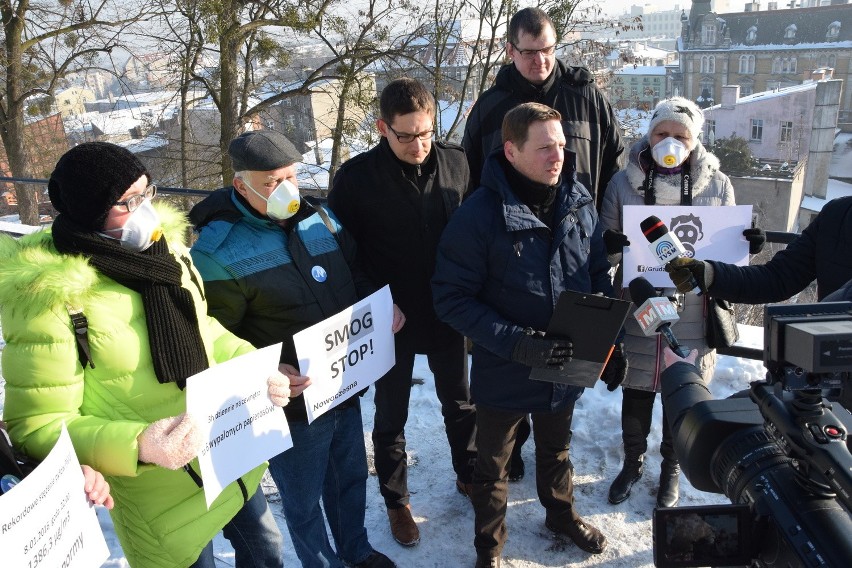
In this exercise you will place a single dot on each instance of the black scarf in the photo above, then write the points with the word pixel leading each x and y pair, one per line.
pixel 175 340
pixel 539 197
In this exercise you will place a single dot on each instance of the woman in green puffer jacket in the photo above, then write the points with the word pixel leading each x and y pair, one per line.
pixel 120 389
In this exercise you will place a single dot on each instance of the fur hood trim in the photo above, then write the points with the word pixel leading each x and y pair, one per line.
pixel 34 275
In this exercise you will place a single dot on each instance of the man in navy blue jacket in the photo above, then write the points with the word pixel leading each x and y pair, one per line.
pixel 529 232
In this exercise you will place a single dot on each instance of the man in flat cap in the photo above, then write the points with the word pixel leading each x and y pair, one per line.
pixel 274 264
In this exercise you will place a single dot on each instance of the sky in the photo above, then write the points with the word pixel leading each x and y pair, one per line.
pixel 446 518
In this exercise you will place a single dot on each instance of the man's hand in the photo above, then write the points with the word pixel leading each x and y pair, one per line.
pixel 534 350
pixel 285 384
pixel 616 368
pixel 398 319
pixel 670 357
pixel 756 239
pixel 615 241
pixel 686 273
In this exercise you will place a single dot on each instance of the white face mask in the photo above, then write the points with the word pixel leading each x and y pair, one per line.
pixel 141 230
pixel 283 202
pixel 670 153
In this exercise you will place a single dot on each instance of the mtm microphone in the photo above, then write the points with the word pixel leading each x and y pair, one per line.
pixel 663 244
pixel 655 314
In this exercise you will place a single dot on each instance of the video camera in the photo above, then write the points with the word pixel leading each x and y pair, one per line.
pixel 779 454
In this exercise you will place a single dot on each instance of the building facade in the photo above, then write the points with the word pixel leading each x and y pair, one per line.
pixel 762 50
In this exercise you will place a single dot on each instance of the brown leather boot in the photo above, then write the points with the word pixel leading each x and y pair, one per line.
pixel 584 535
pixel 403 527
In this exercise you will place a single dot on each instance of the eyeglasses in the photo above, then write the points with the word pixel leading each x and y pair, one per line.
pixel 405 138
pixel 133 202
pixel 531 53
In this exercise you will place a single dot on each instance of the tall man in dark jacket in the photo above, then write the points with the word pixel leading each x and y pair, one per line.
pixel 528 233
pixel 535 75
pixel 396 199
pixel 588 122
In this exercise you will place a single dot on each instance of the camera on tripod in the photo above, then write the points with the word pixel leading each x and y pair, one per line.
pixel 779 454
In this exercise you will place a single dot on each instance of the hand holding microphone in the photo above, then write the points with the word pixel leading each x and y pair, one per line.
pixel 685 273
pixel 655 314
pixel 665 246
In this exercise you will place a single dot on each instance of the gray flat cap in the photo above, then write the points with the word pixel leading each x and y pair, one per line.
pixel 262 150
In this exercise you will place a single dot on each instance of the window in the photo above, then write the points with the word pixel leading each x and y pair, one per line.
pixel 786 131
pixel 833 30
pixel 790 32
pixel 708 64
pixel 776 65
pixel 746 64
pixel 707 85
pixel 711 129
pixel 756 129
pixel 751 34
pixel 746 90
pixel 792 65
pixel 832 60
pixel 822 60
pixel 709 34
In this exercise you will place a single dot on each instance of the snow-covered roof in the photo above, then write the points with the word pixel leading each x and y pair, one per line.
pixel 150 142
pixel 835 189
pixel 641 70
pixel 764 95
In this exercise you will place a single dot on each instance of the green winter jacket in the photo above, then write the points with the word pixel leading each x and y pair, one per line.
pixel 160 515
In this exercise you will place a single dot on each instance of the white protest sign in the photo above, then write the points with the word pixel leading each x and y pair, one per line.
pixel 346 352
pixel 47 521
pixel 241 425
pixel 707 233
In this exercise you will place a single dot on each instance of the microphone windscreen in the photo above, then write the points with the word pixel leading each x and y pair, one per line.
pixel 653 228
pixel 641 290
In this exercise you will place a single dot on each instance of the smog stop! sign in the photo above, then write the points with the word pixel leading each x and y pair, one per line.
pixel 347 352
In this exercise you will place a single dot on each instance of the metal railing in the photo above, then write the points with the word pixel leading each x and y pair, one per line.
pixel 780 237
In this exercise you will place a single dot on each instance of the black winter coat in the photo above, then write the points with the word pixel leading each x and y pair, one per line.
pixel 396 213
pixel 591 130
pixel 820 253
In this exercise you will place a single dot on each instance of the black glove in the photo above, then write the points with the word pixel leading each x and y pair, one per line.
pixel 535 350
pixel 756 239
pixel 687 273
pixel 615 241
pixel 616 368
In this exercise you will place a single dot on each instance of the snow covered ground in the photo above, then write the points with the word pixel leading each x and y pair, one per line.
pixel 446 518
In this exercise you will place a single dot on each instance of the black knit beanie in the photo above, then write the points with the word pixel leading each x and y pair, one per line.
pixel 90 178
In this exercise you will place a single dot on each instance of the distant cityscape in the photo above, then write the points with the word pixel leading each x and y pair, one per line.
pixel 773 74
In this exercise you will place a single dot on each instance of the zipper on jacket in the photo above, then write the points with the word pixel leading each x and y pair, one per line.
pixel 195 477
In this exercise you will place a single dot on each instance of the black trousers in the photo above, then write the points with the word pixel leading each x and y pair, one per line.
pixel 393 392
pixel 496 432
pixel 636 412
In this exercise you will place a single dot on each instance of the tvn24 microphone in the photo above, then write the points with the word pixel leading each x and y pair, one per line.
pixel 655 314
pixel 663 244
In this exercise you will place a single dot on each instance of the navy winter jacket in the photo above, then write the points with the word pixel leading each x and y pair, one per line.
pixel 500 270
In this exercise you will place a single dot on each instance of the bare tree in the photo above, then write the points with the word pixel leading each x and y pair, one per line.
pixel 43 41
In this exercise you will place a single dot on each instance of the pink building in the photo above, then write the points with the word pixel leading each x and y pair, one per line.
pixel 777 124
